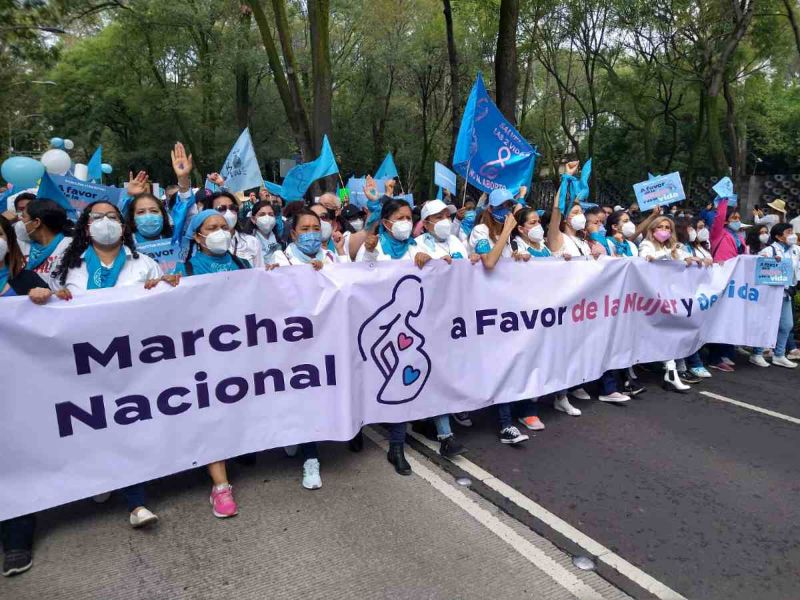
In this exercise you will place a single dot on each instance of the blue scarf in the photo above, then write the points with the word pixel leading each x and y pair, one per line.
pixel 103 277
pixel 468 224
pixel 736 239
pixel 394 248
pixel 39 253
pixel 620 248
pixel 203 263
pixel 543 253
pixel 601 239
pixel 295 251
pixel 374 207
pixel 3 278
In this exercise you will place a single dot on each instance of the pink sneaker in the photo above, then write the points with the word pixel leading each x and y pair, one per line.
pixel 222 501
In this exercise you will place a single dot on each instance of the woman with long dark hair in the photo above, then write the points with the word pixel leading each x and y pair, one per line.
pixel 46 229
pixel 243 246
pixel 147 218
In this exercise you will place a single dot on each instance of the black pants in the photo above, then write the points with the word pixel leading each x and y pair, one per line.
pixel 17 533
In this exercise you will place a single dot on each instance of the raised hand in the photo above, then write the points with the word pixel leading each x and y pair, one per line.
pixel 509 225
pixel 371 242
pixel 182 166
pixel 370 188
pixel 138 184
pixel 572 167
pixel 216 179
pixel 338 242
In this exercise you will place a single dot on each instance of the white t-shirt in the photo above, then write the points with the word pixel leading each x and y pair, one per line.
pixel 648 248
pixel 428 244
pixel 378 254
pixel 248 248
pixel 574 247
pixel 271 251
pixel 135 272
pixel 49 263
pixel 523 245
pixel 480 242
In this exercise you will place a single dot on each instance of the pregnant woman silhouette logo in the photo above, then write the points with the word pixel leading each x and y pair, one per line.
pixel 389 339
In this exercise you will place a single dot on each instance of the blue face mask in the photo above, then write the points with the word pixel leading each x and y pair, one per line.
pixel 149 225
pixel 735 225
pixel 309 243
pixel 500 213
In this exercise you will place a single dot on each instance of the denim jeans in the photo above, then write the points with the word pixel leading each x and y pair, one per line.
pixel 785 326
pixel 609 382
pixel 17 533
pixel 397 433
pixel 443 429
pixel 522 408
pixel 134 496
pixel 693 361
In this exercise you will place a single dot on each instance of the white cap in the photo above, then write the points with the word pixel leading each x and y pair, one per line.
pixel 434 207
pixel 618 208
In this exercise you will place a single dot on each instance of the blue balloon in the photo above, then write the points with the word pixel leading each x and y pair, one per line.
pixel 106 168
pixel 57 142
pixel 22 172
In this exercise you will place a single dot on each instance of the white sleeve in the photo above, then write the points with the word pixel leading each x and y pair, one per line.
pixel 153 268
pixel 456 245
pixel 279 258
pixel 479 234
pixel 646 248
pixel 455 227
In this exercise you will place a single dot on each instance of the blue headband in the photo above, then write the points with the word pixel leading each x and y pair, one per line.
pixel 198 220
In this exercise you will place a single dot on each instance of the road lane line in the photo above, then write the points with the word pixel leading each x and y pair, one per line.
pixel 752 407
pixel 537 557
pixel 590 546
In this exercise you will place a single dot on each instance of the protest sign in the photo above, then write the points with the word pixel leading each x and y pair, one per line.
pixel 102 398
pixel 75 195
pixel 724 188
pixel 659 191
pixel 164 252
pixel 444 177
pixel 774 271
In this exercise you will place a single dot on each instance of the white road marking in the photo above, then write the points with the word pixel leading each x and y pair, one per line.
pixel 534 555
pixel 764 411
pixel 539 512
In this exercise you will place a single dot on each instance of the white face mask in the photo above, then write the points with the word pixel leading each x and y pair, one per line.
pixel 441 229
pixel 357 224
pixel 325 230
pixel 21 231
pixel 401 230
pixel 3 249
pixel 230 218
pixel 692 236
pixel 578 222
pixel 218 241
pixel 265 223
pixel 536 233
pixel 702 236
pixel 791 239
pixel 628 229
pixel 105 231
pixel 763 238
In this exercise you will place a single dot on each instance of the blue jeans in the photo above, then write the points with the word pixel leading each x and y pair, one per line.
pixel 609 382
pixel 522 408
pixel 694 361
pixel 17 533
pixel 443 429
pixel 134 496
pixel 785 326
pixel 397 433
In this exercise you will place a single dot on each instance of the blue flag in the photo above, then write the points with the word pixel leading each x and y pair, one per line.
pixel 95 165
pixel 50 190
pixel 387 170
pixel 273 188
pixel 300 177
pixel 490 152
pixel 241 171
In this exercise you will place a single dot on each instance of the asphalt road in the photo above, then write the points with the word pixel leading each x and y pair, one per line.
pixel 700 494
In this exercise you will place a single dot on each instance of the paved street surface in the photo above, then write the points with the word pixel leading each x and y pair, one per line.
pixel 700 494
pixel 368 533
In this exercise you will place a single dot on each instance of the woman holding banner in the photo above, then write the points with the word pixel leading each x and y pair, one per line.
pixel 245 247
pixel 45 227
pixel 490 237
pixel 262 223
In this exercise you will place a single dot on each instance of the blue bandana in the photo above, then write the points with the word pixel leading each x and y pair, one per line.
pixel 620 248
pixel 468 223
pixel 374 207
pixel 203 263
pixel 601 239
pixel 543 253
pixel 103 277
pixel 394 248
pixel 39 253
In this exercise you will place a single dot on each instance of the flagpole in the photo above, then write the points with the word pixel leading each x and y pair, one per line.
pixel 466 181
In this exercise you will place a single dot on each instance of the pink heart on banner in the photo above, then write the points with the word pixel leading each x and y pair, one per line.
pixel 404 341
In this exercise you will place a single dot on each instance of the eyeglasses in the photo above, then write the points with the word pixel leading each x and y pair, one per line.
pixel 96 216
pixel 225 208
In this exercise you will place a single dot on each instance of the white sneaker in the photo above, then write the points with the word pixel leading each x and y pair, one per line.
pixel 615 397
pixel 580 394
pixel 758 360
pixel 728 361
pixel 142 517
pixel 794 354
pixel 562 404
pixel 311 478
pixel 100 498
pixel 782 361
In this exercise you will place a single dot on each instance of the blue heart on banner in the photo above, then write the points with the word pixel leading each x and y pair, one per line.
pixel 410 375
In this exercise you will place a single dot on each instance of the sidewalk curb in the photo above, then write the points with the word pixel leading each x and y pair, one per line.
pixel 610 566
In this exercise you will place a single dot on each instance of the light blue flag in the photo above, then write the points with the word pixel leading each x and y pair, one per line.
pixel 95 165
pixel 387 170
pixel 724 187
pixel 274 188
pixel 444 177
pixel 439 193
pixel 300 177
pixel 241 171
pixel 490 152
pixel 49 189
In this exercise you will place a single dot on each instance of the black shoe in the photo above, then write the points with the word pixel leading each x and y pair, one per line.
pixel 16 562
pixel 511 435
pixel 427 428
pixel 688 377
pixel 450 448
pixel 632 389
pixel 357 443
pixel 398 459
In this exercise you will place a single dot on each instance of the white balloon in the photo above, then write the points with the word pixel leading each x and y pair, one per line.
pixel 57 162
pixel 81 172
pixel 69 144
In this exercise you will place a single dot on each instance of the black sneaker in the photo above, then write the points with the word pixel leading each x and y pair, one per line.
pixel 688 377
pixel 462 419
pixel 450 448
pixel 16 562
pixel 511 435
pixel 632 389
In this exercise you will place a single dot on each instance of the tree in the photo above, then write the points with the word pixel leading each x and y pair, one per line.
pixel 505 61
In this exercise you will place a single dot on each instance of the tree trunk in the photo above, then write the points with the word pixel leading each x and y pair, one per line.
pixel 318 17
pixel 301 132
pixel 241 74
pixel 455 95
pixel 715 146
pixel 505 61
pixel 790 13
pixel 526 86
pixel 379 127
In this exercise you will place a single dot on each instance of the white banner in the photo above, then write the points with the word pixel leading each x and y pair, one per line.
pixel 125 385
